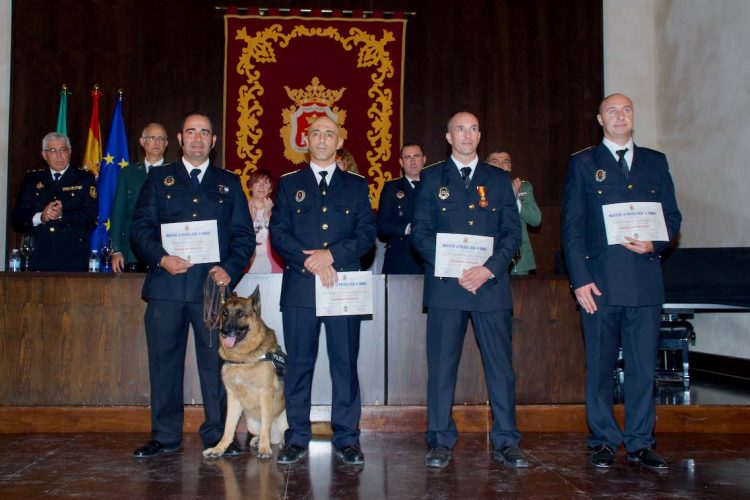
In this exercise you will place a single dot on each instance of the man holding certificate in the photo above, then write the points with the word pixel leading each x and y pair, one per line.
pixel 321 225
pixel 619 212
pixel 467 229
pixel 191 221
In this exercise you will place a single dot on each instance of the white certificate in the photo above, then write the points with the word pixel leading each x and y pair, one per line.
pixel 196 241
pixel 351 296
pixel 455 253
pixel 643 221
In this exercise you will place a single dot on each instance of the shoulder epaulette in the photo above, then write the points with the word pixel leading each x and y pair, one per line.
pixel 355 173
pixel 584 149
pixel 433 164
pixel 289 173
pixel 39 170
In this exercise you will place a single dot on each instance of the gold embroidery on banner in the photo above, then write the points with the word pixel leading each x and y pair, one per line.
pixel 260 49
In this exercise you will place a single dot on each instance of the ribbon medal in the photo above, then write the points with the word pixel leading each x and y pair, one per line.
pixel 482 192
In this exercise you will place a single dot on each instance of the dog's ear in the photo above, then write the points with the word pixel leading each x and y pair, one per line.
pixel 234 294
pixel 255 300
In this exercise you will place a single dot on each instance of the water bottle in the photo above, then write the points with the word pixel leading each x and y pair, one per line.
pixel 15 261
pixel 94 262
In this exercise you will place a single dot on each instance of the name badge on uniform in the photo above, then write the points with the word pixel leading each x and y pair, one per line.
pixel 443 194
pixel 600 175
pixel 223 189
pixel 169 181
pixel 299 196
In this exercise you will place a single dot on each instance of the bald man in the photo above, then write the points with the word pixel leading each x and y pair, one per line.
pixel 465 196
pixel 618 287
pixel 322 224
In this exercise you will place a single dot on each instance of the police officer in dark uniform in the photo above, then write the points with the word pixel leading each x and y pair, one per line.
pixel 619 287
pixel 189 190
pixel 395 214
pixel 463 195
pixel 58 207
pixel 322 224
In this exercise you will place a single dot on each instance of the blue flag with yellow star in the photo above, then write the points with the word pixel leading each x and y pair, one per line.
pixel 114 158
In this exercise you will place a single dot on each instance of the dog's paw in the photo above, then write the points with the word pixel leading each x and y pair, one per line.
pixel 255 442
pixel 213 452
pixel 265 453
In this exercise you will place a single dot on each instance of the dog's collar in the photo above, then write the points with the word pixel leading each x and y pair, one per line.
pixel 277 357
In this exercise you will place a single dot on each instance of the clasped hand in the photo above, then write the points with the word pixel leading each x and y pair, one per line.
pixel 473 278
pixel 52 211
pixel 320 263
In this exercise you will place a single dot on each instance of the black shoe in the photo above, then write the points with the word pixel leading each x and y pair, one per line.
pixel 351 455
pixel 438 457
pixel 512 456
pixel 648 458
pixel 602 456
pixel 154 448
pixel 290 454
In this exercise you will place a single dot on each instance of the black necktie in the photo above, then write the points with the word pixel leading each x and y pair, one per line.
pixel 623 163
pixel 465 172
pixel 322 184
pixel 414 184
pixel 57 176
pixel 194 180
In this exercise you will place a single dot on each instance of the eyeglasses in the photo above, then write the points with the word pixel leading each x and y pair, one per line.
pixel 55 151
pixel 154 138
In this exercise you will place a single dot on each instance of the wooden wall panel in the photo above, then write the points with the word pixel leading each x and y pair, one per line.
pixel 78 339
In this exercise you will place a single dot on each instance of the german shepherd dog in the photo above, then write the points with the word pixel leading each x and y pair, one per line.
pixel 253 388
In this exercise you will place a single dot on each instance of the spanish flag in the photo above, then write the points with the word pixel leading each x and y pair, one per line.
pixel 92 158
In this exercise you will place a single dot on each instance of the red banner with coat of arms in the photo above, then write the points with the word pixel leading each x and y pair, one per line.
pixel 283 72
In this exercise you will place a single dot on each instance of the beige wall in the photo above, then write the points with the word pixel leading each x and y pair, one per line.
pixel 5 17
pixel 698 89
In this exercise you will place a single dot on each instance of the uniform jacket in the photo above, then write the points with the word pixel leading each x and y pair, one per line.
pixel 302 220
pixel 460 212
pixel 129 184
pixel 395 212
pixel 167 197
pixel 531 215
pixel 594 179
pixel 61 245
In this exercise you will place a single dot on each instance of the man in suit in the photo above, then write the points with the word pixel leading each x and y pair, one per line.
pixel 619 287
pixel 523 261
pixel 396 212
pixel 463 195
pixel 188 190
pixel 322 224
pixel 57 206
pixel 154 142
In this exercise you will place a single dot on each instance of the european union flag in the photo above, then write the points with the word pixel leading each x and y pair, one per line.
pixel 115 157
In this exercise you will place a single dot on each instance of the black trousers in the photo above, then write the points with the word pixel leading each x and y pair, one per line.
pixel 446 329
pixel 301 334
pixel 637 328
pixel 167 324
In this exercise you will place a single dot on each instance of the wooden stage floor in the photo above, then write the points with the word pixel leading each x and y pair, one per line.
pixel 100 465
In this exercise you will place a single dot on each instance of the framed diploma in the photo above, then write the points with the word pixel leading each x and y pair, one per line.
pixel 455 253
pixel 642 221
pixel 351 296
pixel 196 241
